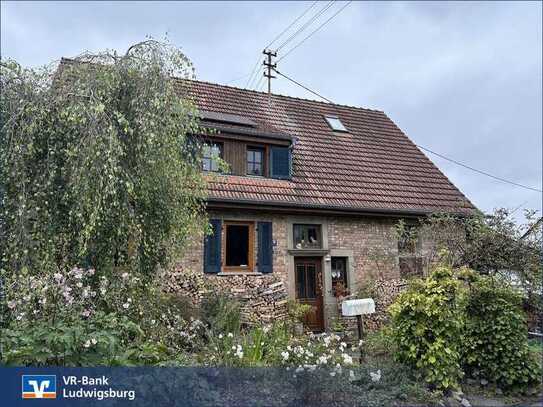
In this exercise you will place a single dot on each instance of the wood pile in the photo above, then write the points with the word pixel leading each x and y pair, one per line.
pixel 264 298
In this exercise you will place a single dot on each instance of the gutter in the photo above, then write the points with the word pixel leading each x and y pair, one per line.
pixel 297 207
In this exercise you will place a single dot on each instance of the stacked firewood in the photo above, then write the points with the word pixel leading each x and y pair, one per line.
pixel 264 298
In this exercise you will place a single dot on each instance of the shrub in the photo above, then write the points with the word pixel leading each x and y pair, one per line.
pixel 427 325
pixel 49 320
pixel 496 345
pixel 103 339
pixel 221 313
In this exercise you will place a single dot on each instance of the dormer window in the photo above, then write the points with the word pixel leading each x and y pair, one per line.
pixel 335 123
pixel 255 161
pixel 210 157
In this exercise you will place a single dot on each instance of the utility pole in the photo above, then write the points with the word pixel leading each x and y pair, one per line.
pixel 269 65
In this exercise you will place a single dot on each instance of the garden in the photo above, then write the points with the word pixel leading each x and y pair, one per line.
pixel 95 208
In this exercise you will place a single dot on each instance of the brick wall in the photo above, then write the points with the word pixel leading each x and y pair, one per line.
pixel 370 242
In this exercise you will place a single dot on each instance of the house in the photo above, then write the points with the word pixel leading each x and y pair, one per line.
pixel 312 194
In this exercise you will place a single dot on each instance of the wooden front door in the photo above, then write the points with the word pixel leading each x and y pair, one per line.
pixel 309 287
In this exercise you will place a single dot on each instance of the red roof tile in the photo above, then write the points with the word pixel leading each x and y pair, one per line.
pixel 373 167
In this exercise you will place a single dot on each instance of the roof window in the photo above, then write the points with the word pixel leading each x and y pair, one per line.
pixel 335 123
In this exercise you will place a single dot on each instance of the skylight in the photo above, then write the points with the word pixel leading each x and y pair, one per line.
pixel 335 123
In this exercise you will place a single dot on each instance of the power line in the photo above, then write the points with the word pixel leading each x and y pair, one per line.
pixel 306 24
pixel 478 171
pixel 291 24
pixel 303 86
pixel 237 79
pixel 250 80
pixel 313 32
pixel 424 148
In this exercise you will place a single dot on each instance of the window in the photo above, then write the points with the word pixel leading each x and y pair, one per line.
pixel 239 242
pixel 339 276
pixel 255 161
pixel 307 236
pixel 210 155
pixel 335 123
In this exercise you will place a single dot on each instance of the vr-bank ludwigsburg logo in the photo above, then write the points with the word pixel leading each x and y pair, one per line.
pixel 39 387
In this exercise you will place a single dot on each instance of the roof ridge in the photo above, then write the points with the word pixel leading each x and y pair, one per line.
pixel 280 95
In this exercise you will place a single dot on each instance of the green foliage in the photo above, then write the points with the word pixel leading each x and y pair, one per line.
pixel 275 345
pixel 103 339
pixel 489 244
pixel 96 164
pixel 495 345
pixel 221 313
pixel 297 311
pixel 427 325
pixel 462 322
pixel 130 318
pixel 380 343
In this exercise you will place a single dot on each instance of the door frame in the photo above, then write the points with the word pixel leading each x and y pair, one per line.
pixel 320 290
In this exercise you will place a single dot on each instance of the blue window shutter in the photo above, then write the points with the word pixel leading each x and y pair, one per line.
pixel 265 247
pixel 280 162
pixel 212 248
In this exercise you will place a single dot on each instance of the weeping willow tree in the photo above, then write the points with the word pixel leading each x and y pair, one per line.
pixel 97 166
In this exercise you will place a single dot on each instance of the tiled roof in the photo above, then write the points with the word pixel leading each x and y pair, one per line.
pixel 374 166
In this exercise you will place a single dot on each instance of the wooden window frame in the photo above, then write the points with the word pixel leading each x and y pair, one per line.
pixel 264 151
pixel 251 249
pixel 319 230
pixel 344 279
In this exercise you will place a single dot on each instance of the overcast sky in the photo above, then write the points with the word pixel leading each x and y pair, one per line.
pixel 463 79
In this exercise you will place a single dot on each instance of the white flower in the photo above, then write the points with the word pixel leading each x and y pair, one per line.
pixel 57 276
pixel 347 359
pixel 230 335
pixel 90 272
pixel 285 356
pixel 322 360
pixel 124 276
pixel 94 341
pixel 80 284
pixel 12 304
pixel 126 305
pixel 87 344
pixel 375 377
pixel 266 329
pixel 220 336
pixel 86 313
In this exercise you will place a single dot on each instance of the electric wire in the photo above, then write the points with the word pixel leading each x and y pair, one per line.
pixel 306 24
pixel 313 32
pixel 427 149
pixel 291 24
